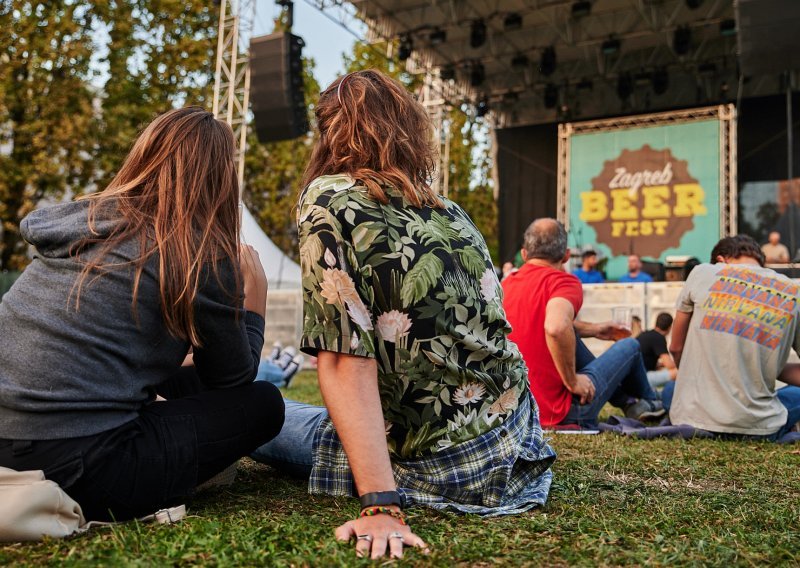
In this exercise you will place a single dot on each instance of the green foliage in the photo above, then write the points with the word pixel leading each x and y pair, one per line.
pixel 615 501
pixel 65 135
pixel 45 110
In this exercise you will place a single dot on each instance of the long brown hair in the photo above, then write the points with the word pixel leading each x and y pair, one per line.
pixel 177 195
pixel 372 129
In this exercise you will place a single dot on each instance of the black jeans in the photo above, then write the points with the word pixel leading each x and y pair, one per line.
pixel 157 459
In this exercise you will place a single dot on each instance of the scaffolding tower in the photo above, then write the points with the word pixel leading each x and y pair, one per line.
pixel 232 73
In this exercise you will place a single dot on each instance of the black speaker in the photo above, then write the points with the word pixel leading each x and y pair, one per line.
pixel 276 87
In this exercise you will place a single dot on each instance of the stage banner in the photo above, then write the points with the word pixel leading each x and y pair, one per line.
pixel 648 189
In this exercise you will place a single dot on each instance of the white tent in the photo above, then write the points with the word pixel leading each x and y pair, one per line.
pixel 282 272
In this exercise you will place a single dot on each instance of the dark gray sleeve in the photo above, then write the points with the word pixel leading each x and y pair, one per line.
pixel 232 337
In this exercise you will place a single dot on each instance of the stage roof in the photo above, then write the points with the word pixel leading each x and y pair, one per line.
pixel 611 57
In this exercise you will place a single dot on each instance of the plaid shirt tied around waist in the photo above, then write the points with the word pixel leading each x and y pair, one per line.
pixel 501 472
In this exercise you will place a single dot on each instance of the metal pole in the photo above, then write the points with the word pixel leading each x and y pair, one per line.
pixel 220 54
pixel 790 164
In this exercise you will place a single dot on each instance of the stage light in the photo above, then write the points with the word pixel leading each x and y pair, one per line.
pixel 477 35
pixel 482 109
pixel 693 4
pixel 547 64
pixel 682 40
pixel 585 85
pixel 550 96
pixel 610 46
pixel 660 80
pixel 447 73
pixel 405 48
pixel 624 86
pixel 520 62
pixel 477 75
pixel 438 36
pixel 727 27
pixel 581 9
pixel 512 21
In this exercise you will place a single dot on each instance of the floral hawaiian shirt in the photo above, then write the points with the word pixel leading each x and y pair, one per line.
pixel 415 289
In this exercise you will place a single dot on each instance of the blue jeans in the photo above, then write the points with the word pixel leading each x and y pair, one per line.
pixel 789 397
pixel 292 450
pixel 269 371
pixel 618 376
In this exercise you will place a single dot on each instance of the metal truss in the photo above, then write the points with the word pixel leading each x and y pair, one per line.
pixel 232 72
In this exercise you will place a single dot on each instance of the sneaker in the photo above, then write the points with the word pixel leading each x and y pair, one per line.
pixel 643 409
pixel 291 370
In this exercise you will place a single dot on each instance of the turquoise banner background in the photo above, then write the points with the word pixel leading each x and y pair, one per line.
pixel 696 142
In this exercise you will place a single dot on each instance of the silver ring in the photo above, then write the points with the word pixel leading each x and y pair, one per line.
pixel 367 537
pixel 395 535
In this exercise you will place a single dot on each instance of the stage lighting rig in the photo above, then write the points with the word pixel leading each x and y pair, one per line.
pixel 512 21
pixel 405 48
pixel 550 96
pixel 477 74
pixel 660 80
pixel 547 64
pixel 682 40
pixel 477 35
pixel 581 9
pixel 520 62
pixel 610 46
pixel 438 36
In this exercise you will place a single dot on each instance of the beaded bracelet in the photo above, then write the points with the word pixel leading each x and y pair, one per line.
pixel 372 511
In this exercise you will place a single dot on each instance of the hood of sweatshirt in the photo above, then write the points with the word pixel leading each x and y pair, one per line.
pixel 55 229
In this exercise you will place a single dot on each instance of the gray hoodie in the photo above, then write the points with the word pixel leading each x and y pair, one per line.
pixel 67 373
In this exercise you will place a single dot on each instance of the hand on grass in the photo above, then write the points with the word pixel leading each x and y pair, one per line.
pixel 375 533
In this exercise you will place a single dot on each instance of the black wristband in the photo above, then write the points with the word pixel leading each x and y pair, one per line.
pixel 380 499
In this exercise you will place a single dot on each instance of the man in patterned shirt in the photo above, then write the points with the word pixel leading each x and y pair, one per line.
pixel 426 398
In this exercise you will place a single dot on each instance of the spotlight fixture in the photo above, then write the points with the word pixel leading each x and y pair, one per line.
pixel 624 86
pixel 405 48
pixel 447 73
pixel 584 85
pixel 547 64
pixel 437 36
pixel 477 35
pixel 660 80
pixel 550 96
pixel 682 40
pixel 693 4
pixel 482 108
pixel 477 75
pixel 520 62
pixel 581 9
pixel 512 21
pixel 610 46
pixel 727 27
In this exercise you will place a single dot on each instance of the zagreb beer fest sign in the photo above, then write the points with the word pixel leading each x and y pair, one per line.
pixel 653 185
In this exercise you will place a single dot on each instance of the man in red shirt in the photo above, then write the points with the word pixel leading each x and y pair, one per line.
pixel 569 384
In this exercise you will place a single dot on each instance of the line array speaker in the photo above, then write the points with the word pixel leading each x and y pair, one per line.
pixel 276 87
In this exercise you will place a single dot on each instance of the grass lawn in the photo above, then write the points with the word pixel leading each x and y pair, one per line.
pixel 614 501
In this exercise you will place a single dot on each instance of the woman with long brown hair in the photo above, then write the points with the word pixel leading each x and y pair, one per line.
pixel 426 400
pixel 123 283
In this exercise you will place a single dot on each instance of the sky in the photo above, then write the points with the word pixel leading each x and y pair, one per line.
pixel 325 40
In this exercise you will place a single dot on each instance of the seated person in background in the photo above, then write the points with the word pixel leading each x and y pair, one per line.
pixel 568 382
pixel 281 366
pixel 735 324
pixel 657 360
pixel 587 273
pixel 635 273
pixel 426 399
pixel 774 251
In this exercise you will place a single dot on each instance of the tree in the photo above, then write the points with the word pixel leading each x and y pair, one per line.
pixel 46 116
